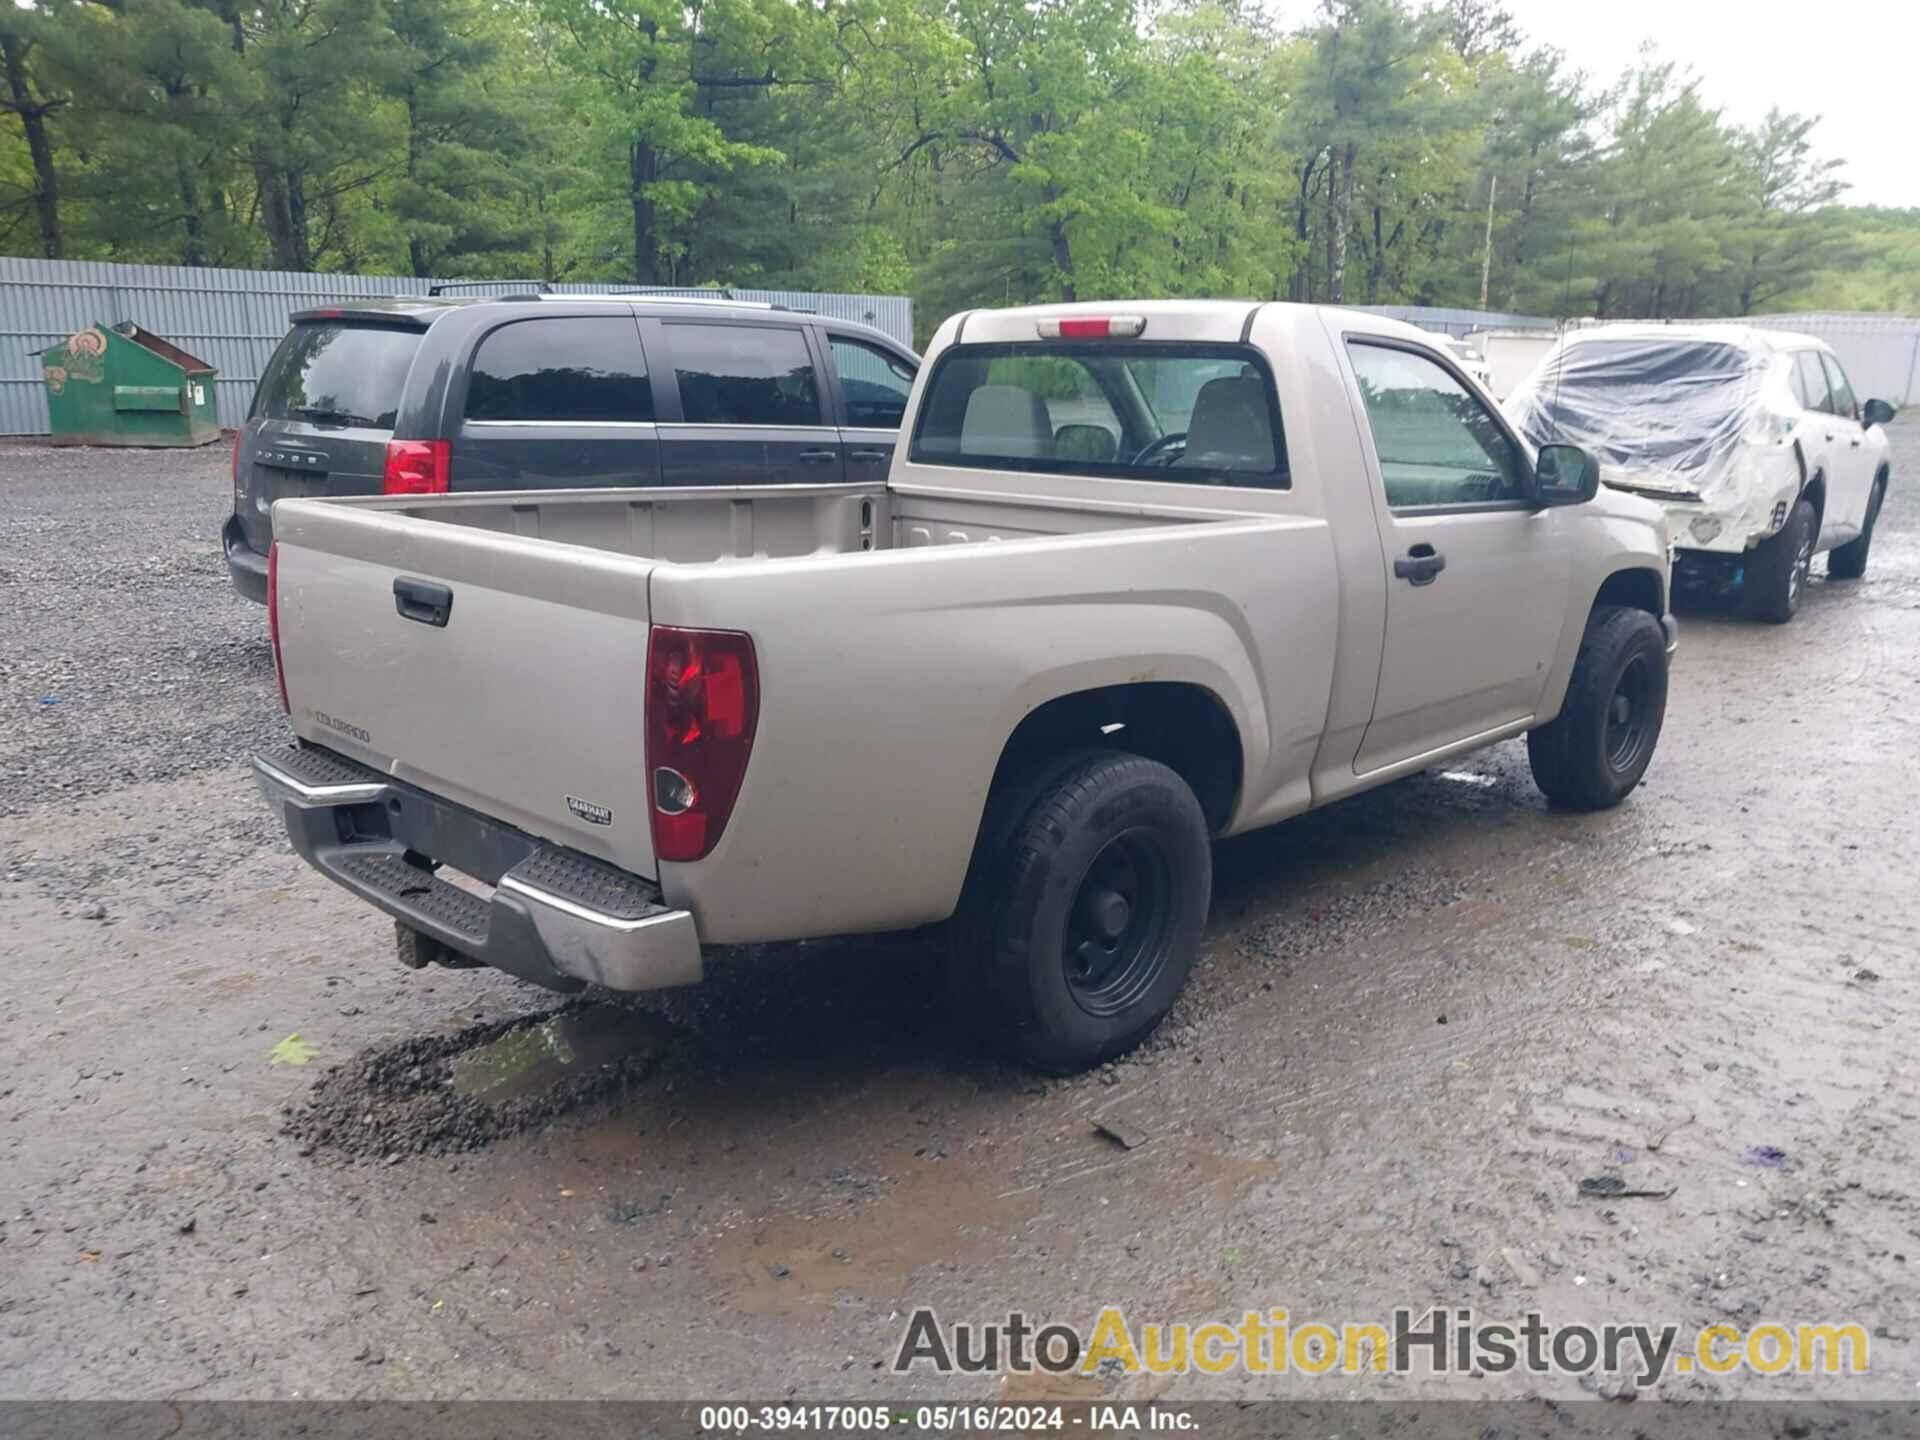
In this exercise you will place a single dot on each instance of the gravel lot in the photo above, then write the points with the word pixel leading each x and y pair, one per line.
pixel 1422 1018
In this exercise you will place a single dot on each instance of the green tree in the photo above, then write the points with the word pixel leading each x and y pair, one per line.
pixel 1785 230
pixel 29 37
pixel 658 73
pixel 454 199
pixel 156 160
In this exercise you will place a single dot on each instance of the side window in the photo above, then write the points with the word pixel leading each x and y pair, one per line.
pixel 560 369
pixel 1437 442
pixel 874 383
pixel 1798 381
pixel 1813 381
pixel 1843 401
pixel 744 375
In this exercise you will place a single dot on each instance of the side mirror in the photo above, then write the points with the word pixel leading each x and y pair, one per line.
pixel 1565 475
pixel 1093 443
pixel 1877 412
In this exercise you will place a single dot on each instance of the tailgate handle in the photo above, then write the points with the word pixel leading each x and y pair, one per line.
pixel 422 600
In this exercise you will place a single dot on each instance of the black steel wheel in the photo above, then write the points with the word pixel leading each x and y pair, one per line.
pixel 1083 908
pixel 1632 725
pixel 1591 755
pixel 1116 940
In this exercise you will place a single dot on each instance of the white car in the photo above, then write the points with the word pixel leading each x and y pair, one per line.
pixel 1752 440
pixel 1466 357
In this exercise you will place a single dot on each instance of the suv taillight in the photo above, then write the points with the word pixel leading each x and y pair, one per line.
pixel 273 621
pixel 703 698
pixel 416 467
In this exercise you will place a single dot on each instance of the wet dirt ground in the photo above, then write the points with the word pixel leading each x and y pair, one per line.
pixel 1421 1019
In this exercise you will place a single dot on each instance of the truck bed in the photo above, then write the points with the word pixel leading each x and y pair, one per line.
pixel 526 701
pixel 697 526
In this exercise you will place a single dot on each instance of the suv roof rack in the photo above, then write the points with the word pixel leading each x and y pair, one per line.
pixel 658 294
pixel 675 297
pixel 539 287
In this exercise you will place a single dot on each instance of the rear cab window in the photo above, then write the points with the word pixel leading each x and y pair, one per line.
pixel 744 375
pixel 1203 414
pixel 579 369
pixel 332 372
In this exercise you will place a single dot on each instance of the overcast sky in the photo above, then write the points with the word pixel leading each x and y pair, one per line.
pixel 1855 63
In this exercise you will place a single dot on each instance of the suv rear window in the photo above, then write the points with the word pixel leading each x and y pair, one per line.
pixel 1189 414
pixel 337 374
pixel 1602 393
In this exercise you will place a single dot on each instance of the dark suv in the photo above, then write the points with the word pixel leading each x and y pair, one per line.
pixel 411 395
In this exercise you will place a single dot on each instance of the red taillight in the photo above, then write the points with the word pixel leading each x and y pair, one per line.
pixel 416 467
pixel 234 459
pixel 273 621
pixel 1092 327
pixel 703 698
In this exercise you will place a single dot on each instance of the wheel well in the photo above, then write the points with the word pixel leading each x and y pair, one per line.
pixel 1816 494
pixel 1638 589
pixel 1182 726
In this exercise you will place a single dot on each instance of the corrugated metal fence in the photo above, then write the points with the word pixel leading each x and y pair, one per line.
pixel 1881 353
pixel 232 319
pixel 1459 323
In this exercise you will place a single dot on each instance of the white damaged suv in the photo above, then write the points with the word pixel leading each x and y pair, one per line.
pixel 1751 440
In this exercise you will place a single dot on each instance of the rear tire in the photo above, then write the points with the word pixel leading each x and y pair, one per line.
pixel 1595 751
pixel 1778 567
pixel 1083 909
pixel 1849 561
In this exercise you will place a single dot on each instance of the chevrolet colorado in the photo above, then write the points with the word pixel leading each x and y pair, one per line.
pixel 1141 575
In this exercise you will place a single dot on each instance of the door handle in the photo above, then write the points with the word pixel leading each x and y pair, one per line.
pixel 1420 565
pixel 818 457
pixel 877 456
pixel 422 600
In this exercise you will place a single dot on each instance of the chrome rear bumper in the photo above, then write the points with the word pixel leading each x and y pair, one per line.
pixel 556 917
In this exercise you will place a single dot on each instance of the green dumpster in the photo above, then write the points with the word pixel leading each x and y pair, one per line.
pixel 122 385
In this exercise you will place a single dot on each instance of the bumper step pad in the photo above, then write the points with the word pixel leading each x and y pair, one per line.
pixel 312 766
pixel 588 883
pixel 454 909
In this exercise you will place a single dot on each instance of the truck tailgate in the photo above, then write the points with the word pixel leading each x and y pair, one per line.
pixel 524 701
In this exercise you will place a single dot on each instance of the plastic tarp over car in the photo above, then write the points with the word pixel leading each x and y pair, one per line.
pixel 1667 415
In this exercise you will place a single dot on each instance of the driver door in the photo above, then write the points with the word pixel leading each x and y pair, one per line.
pixel 873 388
pixel 1477 575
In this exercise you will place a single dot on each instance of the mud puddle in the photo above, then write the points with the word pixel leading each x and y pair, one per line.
pixel 439 1095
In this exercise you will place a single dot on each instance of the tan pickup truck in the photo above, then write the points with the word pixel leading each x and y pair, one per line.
pixel 1142 575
